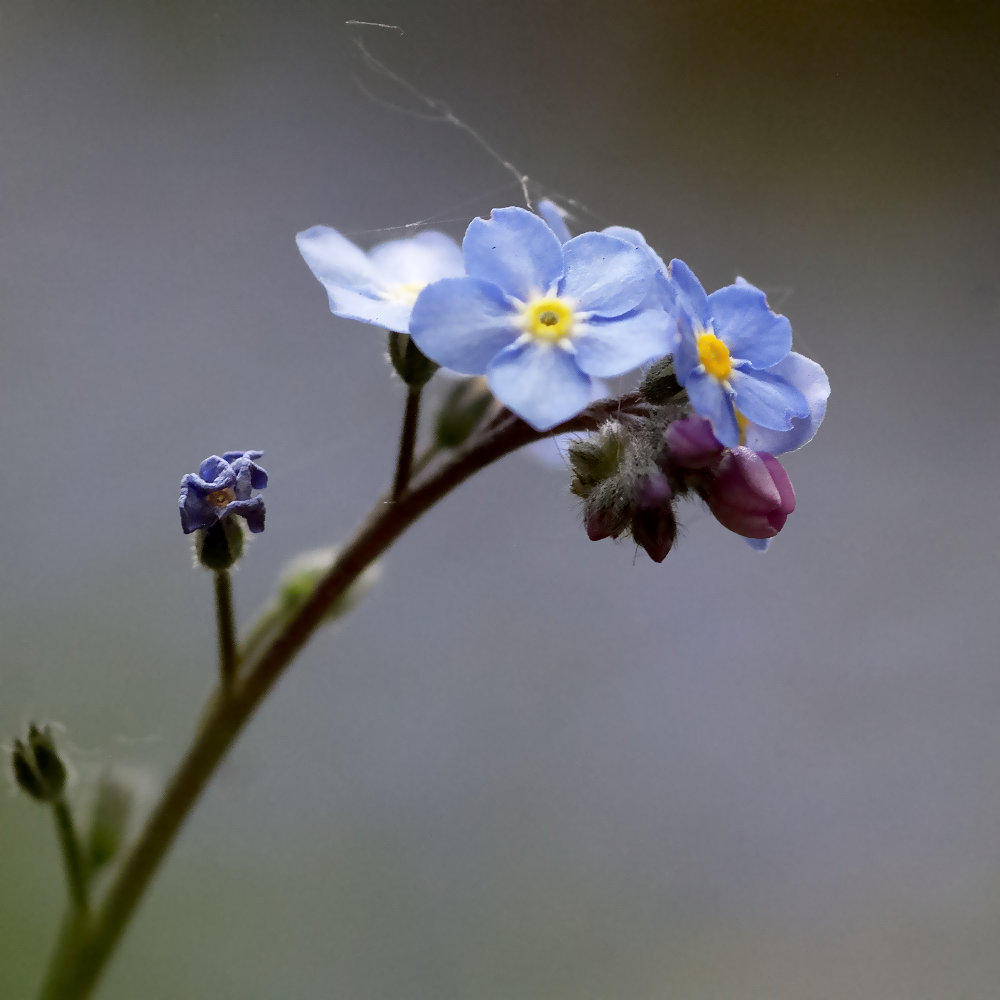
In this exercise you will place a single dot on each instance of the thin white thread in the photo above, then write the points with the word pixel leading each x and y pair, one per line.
pixel 441 112
pixel 376 24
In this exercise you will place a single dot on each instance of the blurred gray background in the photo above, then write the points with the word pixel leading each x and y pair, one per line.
pixel 528 766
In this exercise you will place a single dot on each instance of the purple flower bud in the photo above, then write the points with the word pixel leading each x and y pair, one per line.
pixel 602 522
pixel 654 529
pixel 751 494
pixel 692 444
pixel 652 491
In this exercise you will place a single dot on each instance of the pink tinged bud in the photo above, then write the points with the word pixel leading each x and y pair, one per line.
pixel 692 444
pixel 751 494
pixel 652 491
pixel 654 531
pixel 602 522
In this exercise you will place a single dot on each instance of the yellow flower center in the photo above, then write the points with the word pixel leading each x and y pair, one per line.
pixel 221 498
pixel 548 319
pixel 714 355
pixel 405 292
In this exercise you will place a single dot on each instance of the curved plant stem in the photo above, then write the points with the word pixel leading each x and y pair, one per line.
pixel 227 627
pixel 69 845
pixel 424 459
pixel 407 440
pixel 83 955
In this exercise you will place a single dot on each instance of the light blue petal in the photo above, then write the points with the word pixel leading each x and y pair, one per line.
pixel 516 250
pixel 426 257
pixel 463 323
pixel 613 346
pixel 711 401
pixel 335 260
pixel 689 294
pixel 606 276
pixel 551 451
pixel 766 399
pixel 554 216
pixel 686 358
pixel 636 239
pixel 389 313
pixel 747 327
pixel 760 544
pixel 540 383
pixel 810 379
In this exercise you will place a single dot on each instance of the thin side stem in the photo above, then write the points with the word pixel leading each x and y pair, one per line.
pixel 226 621
pixel 78 963
pixel 407 440
pixel 424 459
pixel 72 855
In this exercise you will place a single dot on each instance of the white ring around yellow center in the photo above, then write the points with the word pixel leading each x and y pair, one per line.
pixel 549 319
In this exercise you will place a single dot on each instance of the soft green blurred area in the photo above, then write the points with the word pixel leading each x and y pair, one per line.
pixel 523 767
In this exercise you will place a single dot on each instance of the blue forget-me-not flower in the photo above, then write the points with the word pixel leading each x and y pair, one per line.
pixel 727 356
pixel 380 286
pixel 539 317
pixel 223 486
pixel 809 378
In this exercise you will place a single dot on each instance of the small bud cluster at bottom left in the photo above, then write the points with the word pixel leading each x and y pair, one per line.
pixel 38 768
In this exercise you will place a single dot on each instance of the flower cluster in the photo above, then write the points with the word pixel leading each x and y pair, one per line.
pixel 543 316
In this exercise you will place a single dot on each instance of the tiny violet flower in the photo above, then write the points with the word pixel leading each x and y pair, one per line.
pixel 751 494
pixel 727 356
pixel 223 487
pixel 380 286
pixel 539 317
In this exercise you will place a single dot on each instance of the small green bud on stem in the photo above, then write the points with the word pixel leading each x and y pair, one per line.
pixel 660 386
pixel 462 412
pixel 109 819
pixel 220 545
pixel 410 363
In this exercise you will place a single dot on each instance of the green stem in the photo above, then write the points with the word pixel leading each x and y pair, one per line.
pixel 69 845
pixel 227 627
pixel 407 440
pixel 78 963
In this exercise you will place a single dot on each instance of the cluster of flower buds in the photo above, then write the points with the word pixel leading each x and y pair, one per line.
pixel 543 316
pixel 631 473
